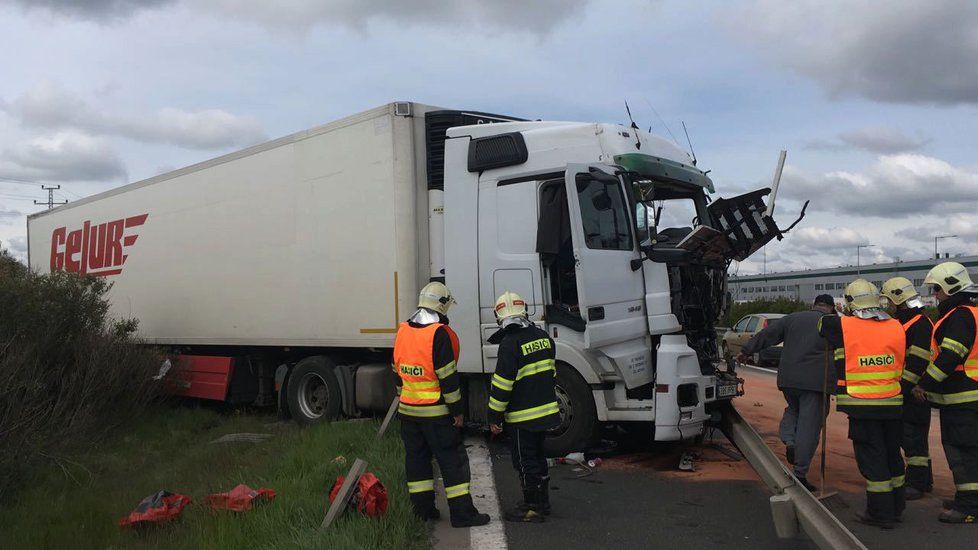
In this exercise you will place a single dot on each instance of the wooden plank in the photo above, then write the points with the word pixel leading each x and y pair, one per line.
pixel 345 492
pixel 389 417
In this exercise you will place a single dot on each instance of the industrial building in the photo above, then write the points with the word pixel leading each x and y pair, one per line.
pixel 805 285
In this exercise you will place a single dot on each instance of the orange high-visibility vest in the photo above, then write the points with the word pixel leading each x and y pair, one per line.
pixel 970 363
pixel 874 353
pixel 414 363
pixel 908 324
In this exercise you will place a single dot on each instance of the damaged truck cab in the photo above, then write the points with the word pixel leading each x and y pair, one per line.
pixel 571 217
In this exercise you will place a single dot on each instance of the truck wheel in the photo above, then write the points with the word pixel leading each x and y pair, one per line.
pixel 578 427
pixel 313 392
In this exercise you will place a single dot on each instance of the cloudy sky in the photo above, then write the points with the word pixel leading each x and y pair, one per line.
pixel 876 103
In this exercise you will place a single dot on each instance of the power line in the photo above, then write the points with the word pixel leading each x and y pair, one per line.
pixel 51 202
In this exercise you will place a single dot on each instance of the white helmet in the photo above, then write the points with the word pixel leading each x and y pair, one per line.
pixel 900 290
pixel 952 277
pixel 436 297
pixel 509 304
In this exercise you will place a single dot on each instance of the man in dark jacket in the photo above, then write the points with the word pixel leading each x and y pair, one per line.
pixel 803 378
pixel 522 394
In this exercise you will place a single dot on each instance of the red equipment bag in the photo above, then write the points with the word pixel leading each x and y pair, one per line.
pixel 369 497
pixel 239 499
pixel 162 507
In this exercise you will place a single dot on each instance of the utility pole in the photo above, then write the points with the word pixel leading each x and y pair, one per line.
pixel 937 238
pixel 858 248
pixel 50 201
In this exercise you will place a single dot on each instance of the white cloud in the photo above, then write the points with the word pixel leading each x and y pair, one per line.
pixel 826 238
pixel 881 140
pixel 895 186
pixel 894 51
pixel 7 216
pixel 64 156
pixel 51 107
pixel 17 246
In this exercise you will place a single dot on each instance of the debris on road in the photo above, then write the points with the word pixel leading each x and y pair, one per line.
pixel 242 438
pixel 369 496
pixel 157 508
pixel 240 499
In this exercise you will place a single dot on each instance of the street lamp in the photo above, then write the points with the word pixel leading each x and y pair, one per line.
pixel 858 248
pixel 937 238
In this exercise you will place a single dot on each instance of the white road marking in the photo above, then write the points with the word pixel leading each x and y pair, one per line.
pixel 483 489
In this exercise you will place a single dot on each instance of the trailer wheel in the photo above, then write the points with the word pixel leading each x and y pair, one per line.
pixel 578 427
pixel 313 392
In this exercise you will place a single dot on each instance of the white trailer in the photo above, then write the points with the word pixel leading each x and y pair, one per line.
pixel 279 273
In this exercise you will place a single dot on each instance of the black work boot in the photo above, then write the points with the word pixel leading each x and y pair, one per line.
pixel 865 518
pixel 913 493
pixel 464 513
pixel 531 509
pixel 954 516
pixel 423 505
pixel 545 496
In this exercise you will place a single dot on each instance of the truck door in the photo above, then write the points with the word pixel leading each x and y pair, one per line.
pixel 611 294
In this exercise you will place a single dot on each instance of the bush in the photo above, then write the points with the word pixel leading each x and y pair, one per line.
pixel 781 305
pixel 69 375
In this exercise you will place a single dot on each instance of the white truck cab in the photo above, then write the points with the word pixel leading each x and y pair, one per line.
pixel 568 215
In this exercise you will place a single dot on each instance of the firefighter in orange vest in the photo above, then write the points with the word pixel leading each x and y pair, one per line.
pixel 909 310
pixel 430 409
pixel 951 384
pixel 870 348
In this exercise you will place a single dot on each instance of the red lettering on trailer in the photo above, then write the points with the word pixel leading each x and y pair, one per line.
pixel 95 249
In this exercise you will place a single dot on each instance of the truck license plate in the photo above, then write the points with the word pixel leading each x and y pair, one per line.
pixel 727 390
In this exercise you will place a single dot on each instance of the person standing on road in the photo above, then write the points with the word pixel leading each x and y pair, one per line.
pixel 869 357
pixel 430 409
pixel 909 310
pixel 951 384
pixel 802 378
pixel 522 394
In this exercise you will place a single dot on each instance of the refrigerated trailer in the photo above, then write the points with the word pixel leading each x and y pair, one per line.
pixel 278 275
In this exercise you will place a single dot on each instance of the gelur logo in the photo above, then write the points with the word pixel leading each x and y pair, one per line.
pixel 94 249
pixel 876 360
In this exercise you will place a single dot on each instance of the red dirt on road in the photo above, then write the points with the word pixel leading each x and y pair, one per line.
pixel 763 405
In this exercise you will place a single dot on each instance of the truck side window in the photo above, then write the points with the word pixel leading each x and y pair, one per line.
pixel 603 213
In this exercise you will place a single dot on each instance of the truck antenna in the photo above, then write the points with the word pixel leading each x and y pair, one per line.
pixel 638 141
pixel 691 151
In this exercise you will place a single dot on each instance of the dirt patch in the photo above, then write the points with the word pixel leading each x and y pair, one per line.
pixel 766 405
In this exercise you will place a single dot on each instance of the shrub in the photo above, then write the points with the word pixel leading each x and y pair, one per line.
pixel 69 374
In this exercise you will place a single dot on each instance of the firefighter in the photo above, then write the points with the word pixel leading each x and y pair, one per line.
pixel 522 395
pixel 951 384
pixel 909 310
pixel 869 357
pixel 430 409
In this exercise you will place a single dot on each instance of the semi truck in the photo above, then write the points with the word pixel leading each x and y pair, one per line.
pixel 278 275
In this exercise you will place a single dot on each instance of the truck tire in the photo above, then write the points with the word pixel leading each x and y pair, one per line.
pixel 313 392
pixel 579 426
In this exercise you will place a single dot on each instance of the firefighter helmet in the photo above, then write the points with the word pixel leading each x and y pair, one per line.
pixel 436 297
pixel 898 290
pixel 509 304
pixel 952 277
pixel 862 294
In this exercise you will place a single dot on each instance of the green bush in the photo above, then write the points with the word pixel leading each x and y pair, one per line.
pixel 69 374
pixel 780 305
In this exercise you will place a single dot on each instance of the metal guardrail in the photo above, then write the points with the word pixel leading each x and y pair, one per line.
pixel 792 504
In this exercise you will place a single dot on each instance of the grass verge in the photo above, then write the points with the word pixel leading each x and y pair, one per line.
pixel 76 503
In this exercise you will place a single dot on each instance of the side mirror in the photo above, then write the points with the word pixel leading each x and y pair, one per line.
pixel 601 202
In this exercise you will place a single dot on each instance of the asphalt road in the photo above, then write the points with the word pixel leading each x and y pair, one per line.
pixel 639 500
